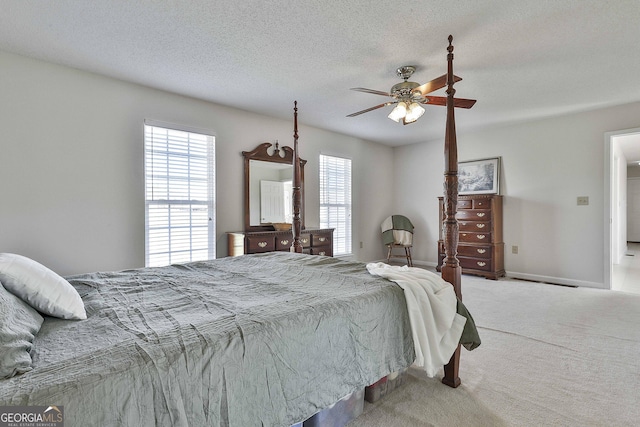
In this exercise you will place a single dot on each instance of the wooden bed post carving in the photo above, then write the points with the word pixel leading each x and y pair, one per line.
pixel 451 270
pixel 296 227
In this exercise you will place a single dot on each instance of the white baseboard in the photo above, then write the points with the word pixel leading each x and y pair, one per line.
pixel 415 263
pixel 554 280
pixel 526 276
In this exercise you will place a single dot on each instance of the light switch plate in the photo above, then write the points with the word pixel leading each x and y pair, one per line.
pixel 583 200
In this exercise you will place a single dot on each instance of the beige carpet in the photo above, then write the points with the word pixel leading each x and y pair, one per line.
pixel 550 356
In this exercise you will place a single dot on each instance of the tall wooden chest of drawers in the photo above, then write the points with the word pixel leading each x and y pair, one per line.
pixel 480 245
pixel 314 241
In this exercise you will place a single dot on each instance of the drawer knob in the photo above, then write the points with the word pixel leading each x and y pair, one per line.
pixel 481 236
pixel 480 225
pixel 322 239
pixel 284 242
pixel 481 251
pixel 262 244
pixel 481 263
pixel 480 214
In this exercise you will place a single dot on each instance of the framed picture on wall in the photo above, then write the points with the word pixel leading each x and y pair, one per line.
pixel 479 176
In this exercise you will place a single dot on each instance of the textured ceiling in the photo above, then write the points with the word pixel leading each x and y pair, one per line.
pixel 520 59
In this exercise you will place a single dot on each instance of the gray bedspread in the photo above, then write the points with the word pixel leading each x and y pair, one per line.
pixel 257 340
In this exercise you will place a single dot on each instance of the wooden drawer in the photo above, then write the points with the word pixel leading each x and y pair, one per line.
pixel 481 204
pixel 257 244
pixel 305 239
pixel 464 204
pixel 475 263
pixel 323 239
pixel 474 251
pixel 284 242
pixel 475 226
pixel 474 215
pixel 469 237
pixel 321 250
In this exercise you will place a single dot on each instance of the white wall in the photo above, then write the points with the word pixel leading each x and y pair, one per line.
pixel 71 177
pixel 546 164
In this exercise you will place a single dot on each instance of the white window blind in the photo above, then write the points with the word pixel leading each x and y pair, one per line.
pixel 180 192
pixel 335 201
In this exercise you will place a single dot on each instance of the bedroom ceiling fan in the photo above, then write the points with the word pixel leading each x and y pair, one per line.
pixel 409 95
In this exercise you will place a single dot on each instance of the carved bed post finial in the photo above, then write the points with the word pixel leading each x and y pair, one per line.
pixel 451 270
pixel 296 227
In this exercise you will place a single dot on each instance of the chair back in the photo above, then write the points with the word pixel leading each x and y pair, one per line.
pixel 397 230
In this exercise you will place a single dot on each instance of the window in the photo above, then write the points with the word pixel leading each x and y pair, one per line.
pixel 179 201
pixel 335 201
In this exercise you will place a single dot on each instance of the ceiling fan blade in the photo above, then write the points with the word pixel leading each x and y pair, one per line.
pixel 373 91
pixel 435 84
pixel 371 109
pixel 457 102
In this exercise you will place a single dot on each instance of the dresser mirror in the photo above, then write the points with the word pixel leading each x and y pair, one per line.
pixel 268 177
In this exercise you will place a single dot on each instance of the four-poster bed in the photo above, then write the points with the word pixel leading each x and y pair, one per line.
pixel 262 339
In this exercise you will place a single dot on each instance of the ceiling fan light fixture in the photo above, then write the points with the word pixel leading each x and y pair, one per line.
pixel 399 112
pixel 414 112
pixel 407 96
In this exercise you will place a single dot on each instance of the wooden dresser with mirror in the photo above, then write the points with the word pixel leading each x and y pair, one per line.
pixel 268 174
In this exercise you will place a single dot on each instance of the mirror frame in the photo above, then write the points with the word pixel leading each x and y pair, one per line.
pixel 282 154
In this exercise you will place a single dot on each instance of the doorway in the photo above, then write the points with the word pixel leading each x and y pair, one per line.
pixel 622 149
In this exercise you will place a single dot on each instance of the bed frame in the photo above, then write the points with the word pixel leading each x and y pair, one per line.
pixel 451 270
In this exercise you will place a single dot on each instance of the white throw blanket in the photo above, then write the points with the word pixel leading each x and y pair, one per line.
pixel 431 302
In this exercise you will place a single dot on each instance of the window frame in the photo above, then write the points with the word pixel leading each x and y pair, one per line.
pixel 158 201
pixel 345 234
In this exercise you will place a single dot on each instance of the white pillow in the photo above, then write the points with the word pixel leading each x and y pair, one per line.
pixel 40 287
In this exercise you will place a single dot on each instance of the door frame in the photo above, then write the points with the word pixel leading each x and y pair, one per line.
pixel 608 200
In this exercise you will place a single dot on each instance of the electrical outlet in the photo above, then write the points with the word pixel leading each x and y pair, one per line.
pixel 360 245
pixel 514 250
pixel 583 200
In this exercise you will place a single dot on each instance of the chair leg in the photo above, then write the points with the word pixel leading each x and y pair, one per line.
pixel 407 251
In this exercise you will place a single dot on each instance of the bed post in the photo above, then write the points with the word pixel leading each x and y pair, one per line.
pixel 451 270
pixel 296 228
